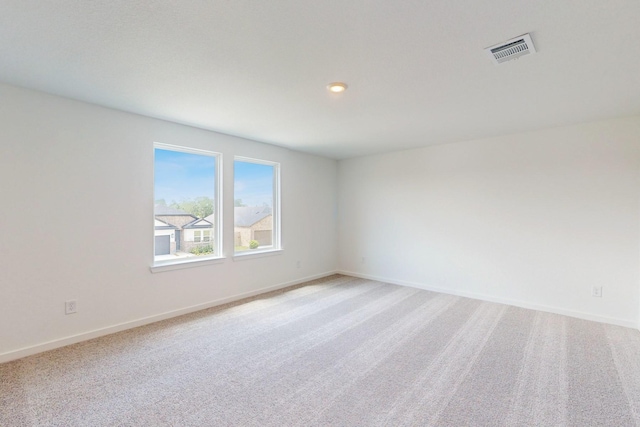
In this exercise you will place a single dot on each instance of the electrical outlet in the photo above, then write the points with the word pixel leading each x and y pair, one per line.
pixel 70 306
pixel 596 291
pixel 363 260
pixel 297 264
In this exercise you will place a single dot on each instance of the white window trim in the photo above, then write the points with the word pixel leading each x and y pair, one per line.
pixel 276 240
pixel 166 265
pixel 186 263
pixel 256 253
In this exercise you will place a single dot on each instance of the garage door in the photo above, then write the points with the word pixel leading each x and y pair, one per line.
pixel 263 237
pixel 163 245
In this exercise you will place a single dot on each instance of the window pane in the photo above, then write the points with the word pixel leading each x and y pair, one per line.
pixel 185 191
pixel 255 196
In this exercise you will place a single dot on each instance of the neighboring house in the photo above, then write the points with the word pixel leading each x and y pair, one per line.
pixel 253 223
pixel 165 235
pixel 180 231
pixel 198 232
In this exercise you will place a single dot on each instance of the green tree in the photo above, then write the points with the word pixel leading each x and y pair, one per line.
pixel 200 206
pixel 238 203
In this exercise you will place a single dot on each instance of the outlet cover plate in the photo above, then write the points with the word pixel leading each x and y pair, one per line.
pixel 70 306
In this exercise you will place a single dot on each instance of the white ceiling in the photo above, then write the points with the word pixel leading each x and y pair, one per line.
pixel 416 69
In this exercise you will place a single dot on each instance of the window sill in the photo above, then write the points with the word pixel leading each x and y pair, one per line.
pixel 254 253
pixel 190 263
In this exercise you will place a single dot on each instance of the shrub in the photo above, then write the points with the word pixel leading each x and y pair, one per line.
pixel 254 244
pixel 202 250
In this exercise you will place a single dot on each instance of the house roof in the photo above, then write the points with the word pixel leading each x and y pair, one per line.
pixel 246 216
pixel 417 71
pixel 168 210
pixel 206 222
pixel 164 225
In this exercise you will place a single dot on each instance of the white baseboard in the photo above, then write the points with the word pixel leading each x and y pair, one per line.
pixel 490 298
pixel 61 342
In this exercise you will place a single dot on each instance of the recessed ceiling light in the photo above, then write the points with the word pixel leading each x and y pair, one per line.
pixel 337 87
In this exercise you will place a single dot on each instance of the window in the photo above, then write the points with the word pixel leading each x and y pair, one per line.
pixel 187 204
pixel 256 205
pixel 202 235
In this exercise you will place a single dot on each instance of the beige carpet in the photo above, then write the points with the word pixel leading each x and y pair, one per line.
pixel 337 351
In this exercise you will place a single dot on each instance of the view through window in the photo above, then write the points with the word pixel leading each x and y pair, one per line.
pixel 185 212
pixel 256 203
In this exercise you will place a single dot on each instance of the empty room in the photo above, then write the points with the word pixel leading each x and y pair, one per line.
pixel 303 213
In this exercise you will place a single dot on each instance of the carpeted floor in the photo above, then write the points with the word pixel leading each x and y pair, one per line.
pixel 338 351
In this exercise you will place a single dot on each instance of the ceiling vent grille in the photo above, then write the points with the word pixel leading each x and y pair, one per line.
pixel 511 49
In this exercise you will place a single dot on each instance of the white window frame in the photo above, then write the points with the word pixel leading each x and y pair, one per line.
pixel 218 254
pixel 203 235
pixel 276 242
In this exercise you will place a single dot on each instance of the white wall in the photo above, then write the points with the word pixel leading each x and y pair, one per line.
pixel 533 219
pixel 77 221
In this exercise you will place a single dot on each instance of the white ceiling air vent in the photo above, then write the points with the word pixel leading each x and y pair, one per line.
pixel 511 49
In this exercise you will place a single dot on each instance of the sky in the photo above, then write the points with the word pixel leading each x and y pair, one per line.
pixel 181 176
pixel 253 183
